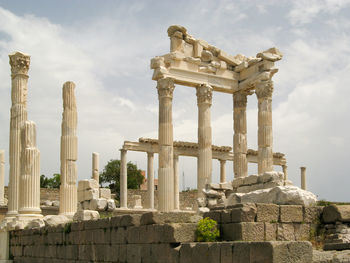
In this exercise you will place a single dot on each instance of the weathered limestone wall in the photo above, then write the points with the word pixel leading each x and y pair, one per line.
pixel 136 238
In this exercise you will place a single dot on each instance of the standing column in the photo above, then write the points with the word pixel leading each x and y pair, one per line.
pixel 150 180
pixel 69 152
pixel 123 180
pixel 265 155
pixel 204 161
pixel 285 172
pixel 2 177
pixel 19 69
pixel 165 140
pixel 29 199
pixel 240 163
pixel 95 167
pixel 222 171
pixel 176 183
pixel 303 177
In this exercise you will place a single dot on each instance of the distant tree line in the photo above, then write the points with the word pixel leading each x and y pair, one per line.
pixel 53 182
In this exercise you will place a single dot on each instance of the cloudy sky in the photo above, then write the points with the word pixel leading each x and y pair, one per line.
pixel 105 47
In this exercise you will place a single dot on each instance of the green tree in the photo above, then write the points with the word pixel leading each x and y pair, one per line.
pixel 111 176
pixel 53 182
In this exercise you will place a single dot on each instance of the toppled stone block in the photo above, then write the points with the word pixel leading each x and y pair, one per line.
pixel 169 217
pixel 46 203
pixel 267 213
pixel 245 213
pixel 111 205
pixel 137 202
pixel 291 214
pixel 270 177
pixel 130 220
pixel 89 194
pixel 35 223
pixel 336 213
pixel 226 186
pixel 251 179
pixel 56 203
pixel 271 54
pixel 99 204
pixel 83 215
pixel 105 193
pixel 54 220
pixel 87 184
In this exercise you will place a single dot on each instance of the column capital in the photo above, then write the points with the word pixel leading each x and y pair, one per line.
pixel 165 87
pixel 123 150
pixel 240 99
pixel 150 154
pixel 19 63
pixel 204 94
pixel 264 89
pixel 222 161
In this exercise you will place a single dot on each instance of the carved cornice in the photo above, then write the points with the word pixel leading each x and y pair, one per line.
pixel 240 99
pixel 264 89
pixel 165 87
pixel 19 63
pixel 204 94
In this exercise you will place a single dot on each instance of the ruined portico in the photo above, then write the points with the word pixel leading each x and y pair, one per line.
pixel 181 148
pixel 195 63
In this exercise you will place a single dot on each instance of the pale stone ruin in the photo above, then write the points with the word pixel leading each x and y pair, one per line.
pixel 2 178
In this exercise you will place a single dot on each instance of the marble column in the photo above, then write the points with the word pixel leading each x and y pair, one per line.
pixel 2 177
pixel 19 74
pixel 95 167
pixel 204 160
pixel 165 89
pixel 150 180
pixel 222 171
pixel 123 179
pixel 176 183
pixel 29 198
pixel 240 163
pixel 69 152
pixel 303 177
pixel 263 92
pixel 285 172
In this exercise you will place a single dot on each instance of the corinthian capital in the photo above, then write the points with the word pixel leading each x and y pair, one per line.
pixel 240 99
pixel 204 94
pixel 165 87
pixel 264 89
pixel 19 63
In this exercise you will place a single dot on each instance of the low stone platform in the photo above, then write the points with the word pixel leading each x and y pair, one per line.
pixel 333 256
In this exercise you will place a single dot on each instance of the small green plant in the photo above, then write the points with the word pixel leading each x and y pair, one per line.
pixel 67 228
pixel 207 230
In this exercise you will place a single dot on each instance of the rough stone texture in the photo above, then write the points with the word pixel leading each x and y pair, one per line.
pixel 246 213
pixel 267 213
pixel 247 231
pixel 87 184
pixel 82 215
pixel 285 232
pixel 53 220
pixel 291 213
pixel 110 205
pixel 99 204
pixel 105 193
pixel 320 256
pixel 282 195
pixel 312 214
pixel 169 217
pixel 334 213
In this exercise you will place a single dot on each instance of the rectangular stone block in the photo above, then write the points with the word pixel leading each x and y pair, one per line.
pixel 176 232
pixel 87 184
pixel 165 253
pixel 133 234
pixel 86 195
pixel 285 232
pixel 115 221
pixel 105 193
pixel 148 234
pixel 146 255
pixel 267 213
pixel 302 231
pixel 291 214
pixel 101 236
pixel 312 214
pixel 130 220
pixel 246 213
pixel 270 231
pixel 225 216
pixel 226 250
pixel 133 253
pixel 119 235
pixel 214 215
pixel 186 250
pixel 200 252
pixel 169 217
pixel 246 231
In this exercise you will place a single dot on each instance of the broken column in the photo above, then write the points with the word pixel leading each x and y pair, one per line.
pixel 19 74
pixel 123 180
pixel 95 167
pixel 263 92
pixel 150 180
pixel 204 161
pixel 285 172
pixel 222 171
pixel 2 177
pixel 176 183
pixel 165 89
pixel 303 177
pixel 240 163
pixel 69 152
pixel 29 198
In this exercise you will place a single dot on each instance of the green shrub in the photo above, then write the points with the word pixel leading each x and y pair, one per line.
pixel 207 230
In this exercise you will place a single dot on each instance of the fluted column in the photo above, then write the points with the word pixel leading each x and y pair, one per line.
pixel 222 171
pixel 303 177
pixel 204 161
pixel 150 180
pixel 263 92
pixel 95 167
pixel 29 198
pixel 285 171
pixel 123 180
pixel 19 74
pixel 176 183
pixel 2 177
pixel 69 151
pixel 165 89
pixel 240 163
